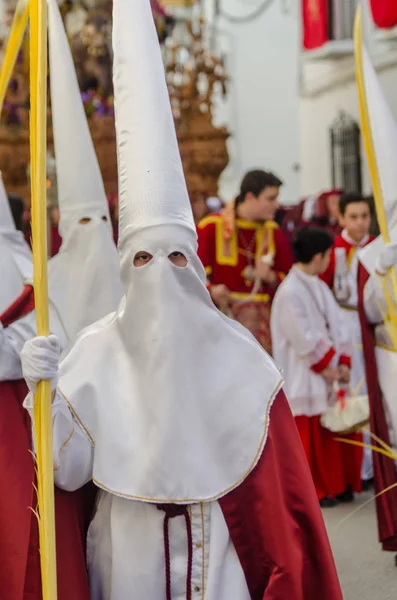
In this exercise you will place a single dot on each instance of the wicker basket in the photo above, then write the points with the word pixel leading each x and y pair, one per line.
pixel 347 415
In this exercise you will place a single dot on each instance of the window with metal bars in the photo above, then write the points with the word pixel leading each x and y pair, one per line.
pixel 341 19
pixel 345 140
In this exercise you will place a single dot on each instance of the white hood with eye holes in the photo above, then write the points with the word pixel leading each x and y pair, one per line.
pixel 84 278
pixel 175 396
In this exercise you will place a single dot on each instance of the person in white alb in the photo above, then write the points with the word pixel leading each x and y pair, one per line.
pixel 313 349
pixel 172 409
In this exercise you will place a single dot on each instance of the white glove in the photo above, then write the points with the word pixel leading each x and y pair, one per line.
pixel 387 258
pixel 40 360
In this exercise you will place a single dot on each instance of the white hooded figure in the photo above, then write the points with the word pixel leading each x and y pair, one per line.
pixel 16 270
pixel 15 255
pixel 84 277
pixel 165 405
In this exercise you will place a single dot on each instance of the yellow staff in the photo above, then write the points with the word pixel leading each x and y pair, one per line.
pixel 391 323
pixel 42 406
pixel 13 46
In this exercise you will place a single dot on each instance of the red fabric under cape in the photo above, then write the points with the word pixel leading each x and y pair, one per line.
pixel 275 521
pixel 384 469
pixel 323 456
pixel 19 553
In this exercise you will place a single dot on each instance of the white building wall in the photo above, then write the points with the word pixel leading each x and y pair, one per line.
pixel 328 86
pixel 262 110
pixel 281 102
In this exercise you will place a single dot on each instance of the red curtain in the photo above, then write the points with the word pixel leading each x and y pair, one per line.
pixel 384 13
pixel 315 23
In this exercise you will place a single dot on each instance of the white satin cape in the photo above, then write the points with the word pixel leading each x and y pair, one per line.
pixel 174 395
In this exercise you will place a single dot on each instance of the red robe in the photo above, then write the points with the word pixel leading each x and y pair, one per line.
pixel 275 521
pixel 384 469
pixel 226 262
pixel 19 552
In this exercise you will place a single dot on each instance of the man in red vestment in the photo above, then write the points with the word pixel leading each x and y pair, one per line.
pixel 379 353
pixel 245 254
pixel 20 577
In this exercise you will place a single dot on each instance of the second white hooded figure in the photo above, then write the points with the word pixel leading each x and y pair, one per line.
pixel 84 277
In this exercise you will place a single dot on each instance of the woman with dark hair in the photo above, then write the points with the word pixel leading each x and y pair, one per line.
pixel 245 254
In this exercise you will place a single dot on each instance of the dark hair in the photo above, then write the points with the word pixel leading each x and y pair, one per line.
pixel 310 241
pixel 374 228
pixel 255 182
pixel 17 208
pixel 352 198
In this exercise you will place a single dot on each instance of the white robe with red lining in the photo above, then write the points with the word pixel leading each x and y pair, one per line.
pixel 119 563
pixel 265 540
pixel 307 337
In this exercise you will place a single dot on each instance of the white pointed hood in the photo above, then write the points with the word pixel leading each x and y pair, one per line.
pixel 84 278
pixel 81 192
pixel 380 130
pixel 152 187
pixel 15 256
pixel 175 395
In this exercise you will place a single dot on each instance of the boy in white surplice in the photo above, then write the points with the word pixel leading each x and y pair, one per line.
pixel 311 346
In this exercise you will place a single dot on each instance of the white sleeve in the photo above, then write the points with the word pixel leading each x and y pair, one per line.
pixel 374 300
pixel 13 339
pixel 11 344
pixel 10 364
pixel 297 327
pixel 73 452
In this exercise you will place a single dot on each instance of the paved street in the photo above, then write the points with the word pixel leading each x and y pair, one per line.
pixel 365 572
